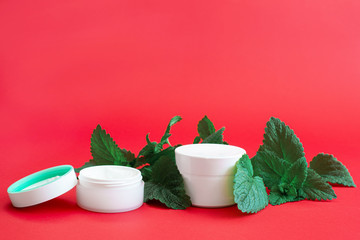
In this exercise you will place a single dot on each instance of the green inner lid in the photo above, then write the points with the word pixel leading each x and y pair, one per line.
pixel 39 179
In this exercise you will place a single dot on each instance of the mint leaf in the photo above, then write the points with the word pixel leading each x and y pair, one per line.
pixel 197 140
pixel 216 137
pixel 296 174
pixel 165 137
pixel 207 132
pixel 281 163
pixel 151 158
pixel 244 164
pixel 168 152
pixel 290 184
pixel 167 185
pixel 270 167
pixel 139 161
pixel 104 150
pixel 145 152
pixel 129 156
pixel 146 173
pixel 87 164
pixel 173 120
pixel 331 170
pixel 205 128
pixel 250 192
pixel 149 147
pixel 281 140
pixel 315 187
pixel 277 198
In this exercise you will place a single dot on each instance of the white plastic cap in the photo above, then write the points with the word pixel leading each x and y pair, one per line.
pixel 42 186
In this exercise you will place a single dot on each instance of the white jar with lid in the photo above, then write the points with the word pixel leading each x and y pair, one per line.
pixel 110 189
pixel 208 172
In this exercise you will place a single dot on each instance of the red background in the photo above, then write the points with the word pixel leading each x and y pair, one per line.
pixel 131 65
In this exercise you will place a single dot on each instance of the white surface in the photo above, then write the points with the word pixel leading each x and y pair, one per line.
pixel 208 171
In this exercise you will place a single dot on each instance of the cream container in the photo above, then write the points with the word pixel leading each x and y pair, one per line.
pixel 42 186
pixel 110 189
pixel 106 188
pixel 208 172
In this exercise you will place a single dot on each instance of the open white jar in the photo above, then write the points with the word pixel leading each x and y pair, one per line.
pixel 110 189
pixel 106 188
pixel 208 172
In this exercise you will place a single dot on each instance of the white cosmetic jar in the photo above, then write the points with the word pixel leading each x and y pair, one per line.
pixel 110 189
pixel 208 172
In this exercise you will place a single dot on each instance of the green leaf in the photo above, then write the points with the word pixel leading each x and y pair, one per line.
pixel 315 187
pixel 149 147
pixel 104 150
pixel 145 152
pixel 140 161
pixel 197 140
pixel 205 128
pixel 168 152
pixel 281 140
pixel 129 156
pixel 151 158
pixel 290 184
pixel 216 137
pixel 174 120
pixel 146 173
pixel 277 198
pixel 250 192
pixel 87 164
pixel 270 167
pixel 165 137
pixel 153 150
pixel 167 185
pixel 244 164
pixel 282 178
pixel 207 132
pixel 331 170
pixel 296 174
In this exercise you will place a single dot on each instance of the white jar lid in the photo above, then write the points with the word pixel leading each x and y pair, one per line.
pixel 208 159
pixel 42 186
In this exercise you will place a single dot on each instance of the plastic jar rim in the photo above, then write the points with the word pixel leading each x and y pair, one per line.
pixel 87 175
pixel 186 150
